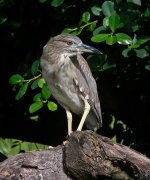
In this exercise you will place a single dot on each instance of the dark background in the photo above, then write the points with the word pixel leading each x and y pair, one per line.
pixel 28 27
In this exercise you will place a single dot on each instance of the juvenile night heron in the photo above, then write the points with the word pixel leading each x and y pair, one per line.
pixel 70 80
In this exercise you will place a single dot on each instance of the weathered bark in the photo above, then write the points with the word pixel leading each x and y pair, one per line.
pixel 90 155
pixel 34 165
pixel 85 155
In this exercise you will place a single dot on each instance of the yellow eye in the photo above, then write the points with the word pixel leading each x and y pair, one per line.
pixel 69 43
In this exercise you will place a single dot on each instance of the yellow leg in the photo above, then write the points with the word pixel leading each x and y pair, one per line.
pixel 69 118
pixel 85 113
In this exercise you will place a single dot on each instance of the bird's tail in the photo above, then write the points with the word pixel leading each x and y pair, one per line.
pixel 92 122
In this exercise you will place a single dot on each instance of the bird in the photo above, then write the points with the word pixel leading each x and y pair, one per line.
pixel 70 80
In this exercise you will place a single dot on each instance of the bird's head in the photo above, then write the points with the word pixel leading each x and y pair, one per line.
pixel 72 45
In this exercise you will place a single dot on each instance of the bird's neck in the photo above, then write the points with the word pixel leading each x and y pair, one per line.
pixel 57 63
pixel 64 60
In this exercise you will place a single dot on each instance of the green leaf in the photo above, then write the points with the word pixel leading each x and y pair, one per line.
pixel 15 79
pixel 92 26
pixel 147 67
pixel 125 52
pixel 114 21
pixel 41 146
pixel 3 19
pixel 22 91
pixel 67 30
pixel 41 82
pixel 99 38
pixel 15 148
pixel 37 97
pixel 52 106
pixel 142 41
pixel 139 42
pixel 146 13
pixel 77 32
pixel 9 147
pixel 5 146
pixel 109 67
pixel 112 123
pixel 111 40
pixel 86 17
pixel 135 27
pixel 96 62
pixel 56 3
pixel 42 1
pixel 106 22
pixel 45 92
pixel 123 39
pixel 137 2
pixel 108 8
pixel 124 126
pixel 28 146
pixel 35 67
pixel 114 138
pixel 96 10
pixel 35 106
pixel 98 30
pixel 34 85
pixel 72 31
pixel 141 53
pixel 35 118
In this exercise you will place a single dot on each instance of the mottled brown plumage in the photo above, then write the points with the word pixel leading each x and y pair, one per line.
pixel 70 80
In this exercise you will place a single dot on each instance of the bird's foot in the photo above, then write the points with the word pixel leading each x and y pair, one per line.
pixel 69 132
pixel 50 147
pixel 65 142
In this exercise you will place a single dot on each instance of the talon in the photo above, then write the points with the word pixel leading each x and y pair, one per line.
pixel 65 142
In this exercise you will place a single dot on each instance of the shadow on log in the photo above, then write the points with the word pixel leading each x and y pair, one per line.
pixel 85 155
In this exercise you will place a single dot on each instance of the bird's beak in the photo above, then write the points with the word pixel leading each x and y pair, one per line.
pixel 86 48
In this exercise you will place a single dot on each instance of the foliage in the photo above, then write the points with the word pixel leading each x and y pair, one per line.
pixel 35 82
pixel 11 147
pixel 119 28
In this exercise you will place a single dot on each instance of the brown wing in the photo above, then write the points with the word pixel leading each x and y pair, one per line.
pixel 87 85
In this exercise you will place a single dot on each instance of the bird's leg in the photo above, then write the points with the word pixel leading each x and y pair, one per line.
pixel 69 118
pixel 85 113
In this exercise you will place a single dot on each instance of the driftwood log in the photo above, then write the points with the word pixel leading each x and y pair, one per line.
pixel 85 155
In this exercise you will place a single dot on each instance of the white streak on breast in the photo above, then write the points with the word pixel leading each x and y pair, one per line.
pixel 76 82
pixel 81 89
pixel 87 97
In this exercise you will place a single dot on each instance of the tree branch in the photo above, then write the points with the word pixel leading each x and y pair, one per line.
pixel 85 155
